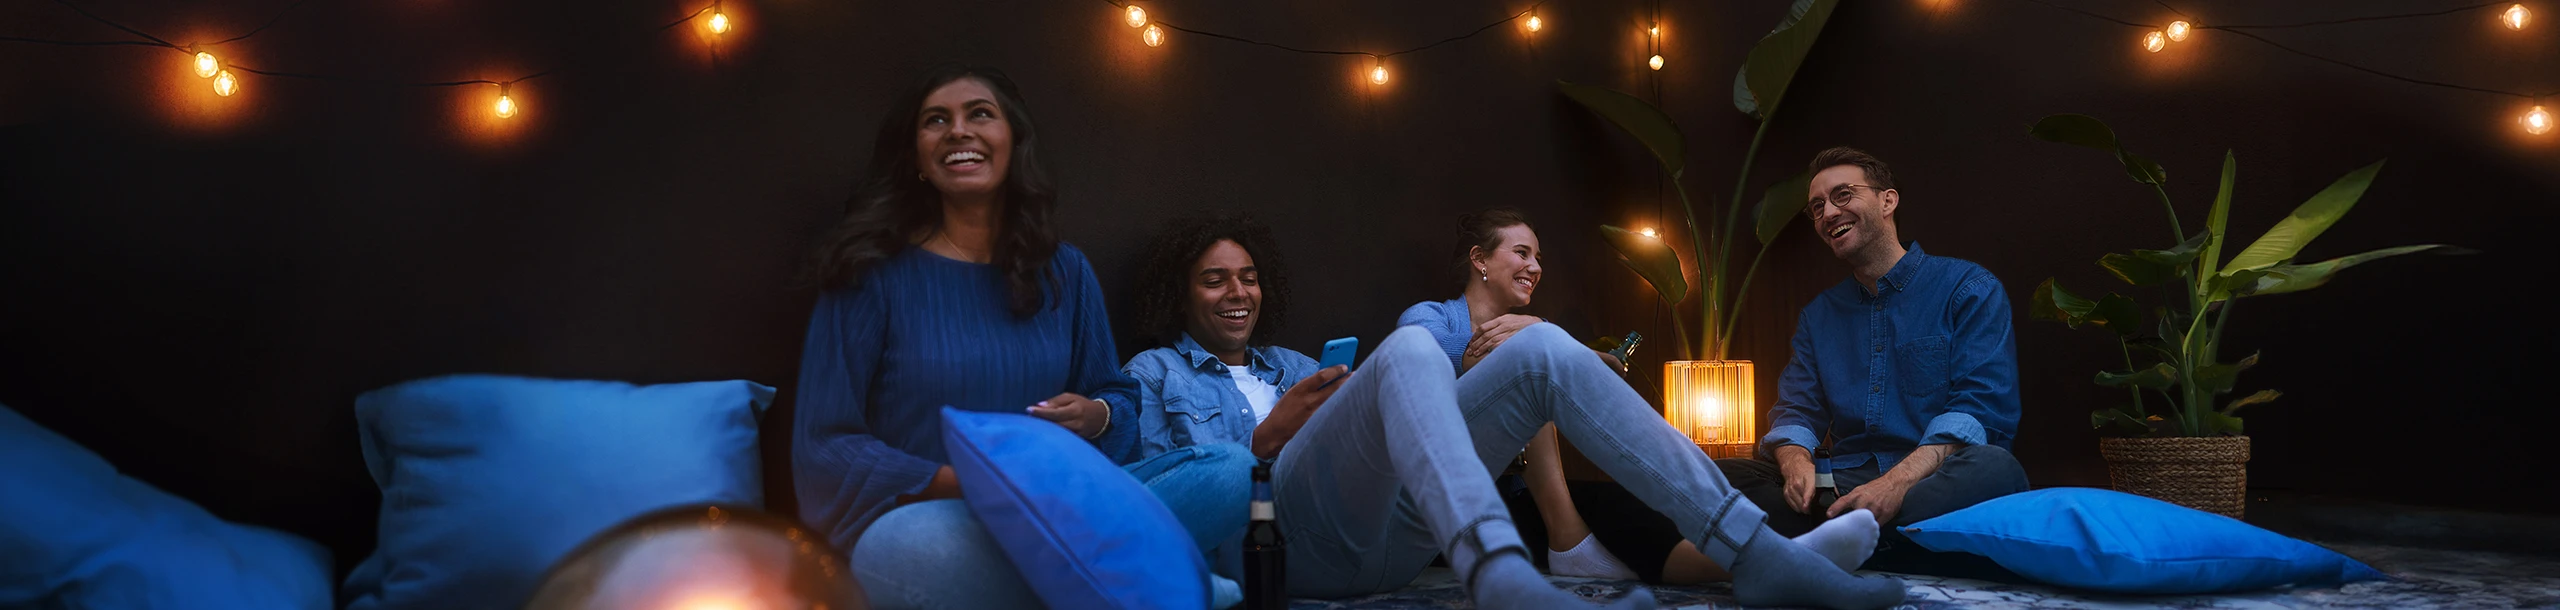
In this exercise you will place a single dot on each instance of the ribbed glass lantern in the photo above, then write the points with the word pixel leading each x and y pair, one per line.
pixel 1710 401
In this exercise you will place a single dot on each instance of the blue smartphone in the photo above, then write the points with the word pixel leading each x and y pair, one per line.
pixel 1337 352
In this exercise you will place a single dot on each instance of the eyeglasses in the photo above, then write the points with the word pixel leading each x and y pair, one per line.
pixel 1840 197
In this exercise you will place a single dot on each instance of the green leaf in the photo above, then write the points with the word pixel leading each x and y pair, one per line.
pixel 2307 221
pixel 2219 217
pixel 2233 282
pixel 2172 329
pixel 1781 204
pixel 2076 130
pixel 2115 422
pixel 1651 259
pixel 2281 279
pixel 2217 423
pixel 2262 397
pixel 2116 313
pixel 1773 62
pixel 2153 267
pixel 2218 378
pixel 2156 377
pixel 1638 118
pixel 2142 170
pixel 2050 302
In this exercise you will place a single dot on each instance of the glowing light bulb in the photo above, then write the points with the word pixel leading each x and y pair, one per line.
pixel 1378 74
pixel 1535 24
pixel 1647 232
pixel 2178 31
pixel 719 22
pixel 1656 62
pixel 1137 16
pixel 206 65
pixel 2154 41
pixel 1655 31
pixel 224 84
pixel 506 106
pixel 2536 121
pixel 1154 36
pixel 2516 16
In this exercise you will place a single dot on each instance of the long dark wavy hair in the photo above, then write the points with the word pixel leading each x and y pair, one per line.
pixel 891 206
pixel 1164 286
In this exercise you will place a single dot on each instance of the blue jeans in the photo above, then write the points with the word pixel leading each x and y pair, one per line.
pixel 1397 467
pixel 937 555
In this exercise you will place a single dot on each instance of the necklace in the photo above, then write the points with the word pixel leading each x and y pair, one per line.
pixel 946 240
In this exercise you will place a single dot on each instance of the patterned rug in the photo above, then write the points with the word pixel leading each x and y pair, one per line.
pixel 2421 578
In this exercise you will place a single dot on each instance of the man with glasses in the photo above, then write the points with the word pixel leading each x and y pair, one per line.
pixel 1907 368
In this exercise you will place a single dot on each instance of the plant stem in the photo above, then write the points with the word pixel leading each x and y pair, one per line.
pixel 1733 319
pixel 2136 391
pixel 1732 215
pixel 1697 252
pixel 2177 232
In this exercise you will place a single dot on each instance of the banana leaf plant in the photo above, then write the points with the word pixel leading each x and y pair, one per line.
pixel 2177 354
pixel 1758 89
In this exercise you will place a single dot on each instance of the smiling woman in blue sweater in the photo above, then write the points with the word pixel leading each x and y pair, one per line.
pixel 948 286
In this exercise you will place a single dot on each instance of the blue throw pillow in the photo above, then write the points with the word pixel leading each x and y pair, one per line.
pixel 74 533
pixel 2123 543
pixel 1081 530
pixel 488 480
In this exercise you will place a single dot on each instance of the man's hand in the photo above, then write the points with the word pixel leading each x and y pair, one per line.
pixel 1492 333
pixel 1796 464
pixel 1083 416
pixel 1613 362
pixel 1883 496
pixel 1295 407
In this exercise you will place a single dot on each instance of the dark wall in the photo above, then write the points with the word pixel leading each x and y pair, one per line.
pixel 197 287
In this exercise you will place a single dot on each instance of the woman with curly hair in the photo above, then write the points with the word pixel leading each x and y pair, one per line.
pixel 947 285
pixel 1374 473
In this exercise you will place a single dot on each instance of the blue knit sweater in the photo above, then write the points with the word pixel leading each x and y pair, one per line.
pixel 920 332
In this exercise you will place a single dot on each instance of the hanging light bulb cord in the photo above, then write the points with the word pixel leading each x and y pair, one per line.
pixel 2240 30
pixel 1293 49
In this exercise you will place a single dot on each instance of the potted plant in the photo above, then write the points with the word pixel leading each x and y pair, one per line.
pixel 2186 447
pixel 1705 395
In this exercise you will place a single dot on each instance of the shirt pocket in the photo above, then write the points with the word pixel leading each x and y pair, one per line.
pixel 1189 422
pixel 1922 366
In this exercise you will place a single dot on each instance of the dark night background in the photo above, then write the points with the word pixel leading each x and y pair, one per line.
pixel 197 287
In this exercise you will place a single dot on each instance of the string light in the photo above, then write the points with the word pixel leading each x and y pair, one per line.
pixel 1137 16
pixel 1154 36
pixel 2536 121
pixel 719 20
pixel 2516 16
pixel 1378 73
pixel 506 104
pixel 2154 41
pixel 1654 31
pixel 224 84
pixel 206 65
pixel 2178 31
pixel 1535 23
pixel 1647 232
pixel 1656 62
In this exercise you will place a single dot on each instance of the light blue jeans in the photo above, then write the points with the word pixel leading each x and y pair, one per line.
pixel 1398 466
pixel 937 555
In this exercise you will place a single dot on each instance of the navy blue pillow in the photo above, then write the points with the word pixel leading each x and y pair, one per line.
pixel 74 533
pixel 1080 529
pixel 488 480
pixel 2123 543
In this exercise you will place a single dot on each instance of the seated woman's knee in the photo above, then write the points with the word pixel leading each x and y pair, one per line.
pixel 1410 346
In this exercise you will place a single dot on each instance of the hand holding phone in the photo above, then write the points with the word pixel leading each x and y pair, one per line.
pixel 1338 352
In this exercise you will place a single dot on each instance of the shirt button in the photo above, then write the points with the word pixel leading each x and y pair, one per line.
pixel 1879 349
pixel 1875 388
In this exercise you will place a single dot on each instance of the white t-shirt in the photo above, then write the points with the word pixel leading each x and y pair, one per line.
pixel 1260 396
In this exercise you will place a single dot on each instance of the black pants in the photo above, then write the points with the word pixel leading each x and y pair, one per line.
pixel 1967 477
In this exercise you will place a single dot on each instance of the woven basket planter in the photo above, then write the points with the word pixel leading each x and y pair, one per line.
pixel 2210 474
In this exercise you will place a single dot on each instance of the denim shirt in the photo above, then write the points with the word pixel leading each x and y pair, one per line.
pixel 1928 359
pixel 1451 325
pixel 1186 397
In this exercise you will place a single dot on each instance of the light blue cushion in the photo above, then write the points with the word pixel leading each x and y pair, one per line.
pixel 1081 530
pixel 74 533
pixel 2123 543
pixel 488 480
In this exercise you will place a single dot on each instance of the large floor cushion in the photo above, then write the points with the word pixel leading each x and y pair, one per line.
pixel 2122 543
pixel 487 480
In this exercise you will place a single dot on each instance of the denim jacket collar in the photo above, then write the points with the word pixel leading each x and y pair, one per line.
pixel 1257 359
pixel 1899 279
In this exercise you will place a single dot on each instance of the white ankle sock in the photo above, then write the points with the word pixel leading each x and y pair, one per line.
pixel 1588 560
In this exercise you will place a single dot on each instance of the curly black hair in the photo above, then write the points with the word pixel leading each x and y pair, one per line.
pixel 1164 284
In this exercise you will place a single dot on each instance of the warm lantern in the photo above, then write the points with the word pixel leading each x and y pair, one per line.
pixel 1710 401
